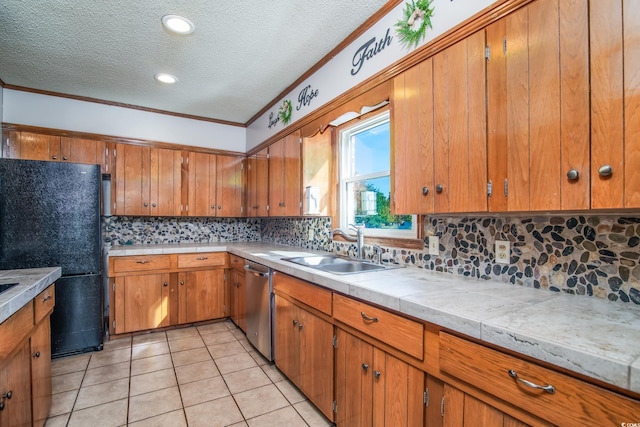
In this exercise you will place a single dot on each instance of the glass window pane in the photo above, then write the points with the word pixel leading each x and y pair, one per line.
pixel 369 203
pixel 371 150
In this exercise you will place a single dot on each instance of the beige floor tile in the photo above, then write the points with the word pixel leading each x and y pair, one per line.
pixel 105 358
pixel 178 334
pixel 290 391
pixel 260 401
pixel 247 345
pixel 215 413
pixel 246 380
pixel 117 344
pixel 212 328
pixel 190 356
pixel 106 374
pixel 234 363
pixel 203 391
pixel 259 358
pixel 66 382
pixel 284 417
pixel 150 364
pixel 102 393
pixel 170 419
pixel 218 337
pixel 152 381
pixel 311 415
pixel 62 403
pixel 66 365
pixel 240 424
pixel 149 338
pixel 238 334
pixel 155 403
pixel 196 372
pixel 149 350
pixel 226 349
pixel 186 343
pixel 112 414
pixel 273 373
pixel 59 421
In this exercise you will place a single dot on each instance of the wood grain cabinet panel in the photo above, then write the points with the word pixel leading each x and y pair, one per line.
pixel 229 186
pixel 257 184
pixel 201 295
pixel 41 371
pixel 141 302
pixel 285 176
pixel 165 182
pixel 238 298
pixel 15 379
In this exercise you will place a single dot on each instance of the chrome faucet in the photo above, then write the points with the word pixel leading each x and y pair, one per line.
pixel 358 238
pixel 377 253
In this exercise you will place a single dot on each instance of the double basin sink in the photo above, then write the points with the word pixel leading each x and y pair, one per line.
pixel 338 265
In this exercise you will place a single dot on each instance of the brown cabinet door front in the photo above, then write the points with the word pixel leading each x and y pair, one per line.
pixel 201 295
pixel 15 378
pixel 41 371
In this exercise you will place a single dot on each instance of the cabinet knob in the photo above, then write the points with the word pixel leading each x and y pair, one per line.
pixel 8 395
pixel 605 170
pixel 425 191
pixel 153 205
pixel 219 206
pixel 439 188
pixel 256 206
pixel 65 158
pixel 165 284
pixel 54 157
pixel 295 322
pixel 36 355
pixel 377 374
pixel 300 325
pixel 182 283
pixel 2 406
pixel 146 204
pixel 47 298
pixel 365 366
pixel 213 206
pixel 573 175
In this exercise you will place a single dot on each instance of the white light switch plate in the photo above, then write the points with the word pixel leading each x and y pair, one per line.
pixel 434 245
pixel 503 251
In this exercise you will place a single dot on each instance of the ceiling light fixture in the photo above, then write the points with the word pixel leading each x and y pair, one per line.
pixel 178 24
pixel 166 78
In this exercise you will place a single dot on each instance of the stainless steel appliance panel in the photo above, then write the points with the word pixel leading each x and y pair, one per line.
pixel 259 306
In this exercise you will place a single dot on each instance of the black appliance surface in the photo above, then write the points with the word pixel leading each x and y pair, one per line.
pixel 50 216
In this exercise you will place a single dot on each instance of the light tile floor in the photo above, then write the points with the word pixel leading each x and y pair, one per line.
pixel 196 376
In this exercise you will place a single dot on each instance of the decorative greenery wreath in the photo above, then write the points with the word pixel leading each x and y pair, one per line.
pixel 417 17
pixel 285 111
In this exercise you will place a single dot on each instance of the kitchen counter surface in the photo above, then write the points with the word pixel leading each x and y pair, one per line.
pixel 30 281
pixel 586 335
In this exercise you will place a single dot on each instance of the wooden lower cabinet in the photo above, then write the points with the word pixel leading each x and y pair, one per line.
pixel 15 381
pixel 200 295
pixel 374 387
pixel 41 372
pixel 141 302
pixel 238 299
pixel 304 352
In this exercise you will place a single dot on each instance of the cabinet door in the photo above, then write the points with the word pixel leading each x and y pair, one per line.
pixel 34 146
pixel 202 185
pixel 257 185
pixel 41 371
pixel 132 184
pixel 286 340
pixel 201 295
pixel 238 299
pixel 412 132
pixel 85 151
pixel 141 302
pixel 229 182
pixel 316 360
pixel 460 154
pixel 285 176
pixel 10 144
pixel 15 378
pixel 165 182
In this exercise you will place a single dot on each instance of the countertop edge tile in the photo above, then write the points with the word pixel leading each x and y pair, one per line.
pixel 634 376
pixel 31 281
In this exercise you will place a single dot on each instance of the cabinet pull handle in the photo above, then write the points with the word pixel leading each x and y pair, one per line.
pixel 182 283
pixel 213 206
pixel 425 191
pixel 54 157
pixel 142 262
pixel 368 318
pixel 439 188
pixel 65 158
pixel 377 374
pixel 146 204
pixel 573 175
pixel 548 388
pixel 295 322
pixel 36 354
pixel 153 205
pixel 202 258
pixel 365 366
pixel 300 325
pixel 8 395
pixel 2 406
pixel 165 284
pixel 47 298
pixel 605 170
pixel 442 406
pixel 219 206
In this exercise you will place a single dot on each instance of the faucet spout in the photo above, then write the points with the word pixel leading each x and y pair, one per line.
pixel 358 238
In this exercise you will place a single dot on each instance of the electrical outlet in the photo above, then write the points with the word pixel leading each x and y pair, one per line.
pixel 312 234
pixel 434 245
pixel 503 251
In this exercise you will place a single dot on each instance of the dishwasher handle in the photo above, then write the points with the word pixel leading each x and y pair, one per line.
pixel 256 272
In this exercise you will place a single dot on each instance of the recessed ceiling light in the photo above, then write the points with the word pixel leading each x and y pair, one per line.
pixel 166 78
pixel 178 24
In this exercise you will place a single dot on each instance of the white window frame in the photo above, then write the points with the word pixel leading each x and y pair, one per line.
pixel 347 164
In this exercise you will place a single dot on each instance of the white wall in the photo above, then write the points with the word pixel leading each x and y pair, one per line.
pixel 26 108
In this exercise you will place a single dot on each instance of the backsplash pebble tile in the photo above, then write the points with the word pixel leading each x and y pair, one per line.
pixel 305 232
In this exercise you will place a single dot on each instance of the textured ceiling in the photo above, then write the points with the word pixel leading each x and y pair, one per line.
pixel 240 57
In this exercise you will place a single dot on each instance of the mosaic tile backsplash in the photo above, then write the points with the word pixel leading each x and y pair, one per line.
pixel 308 232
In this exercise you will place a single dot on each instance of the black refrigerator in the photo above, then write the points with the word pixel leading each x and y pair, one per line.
pixel 50 216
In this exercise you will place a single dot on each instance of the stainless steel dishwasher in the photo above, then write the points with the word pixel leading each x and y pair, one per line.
pixel 259 307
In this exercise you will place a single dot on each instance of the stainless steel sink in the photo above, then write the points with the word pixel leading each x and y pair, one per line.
pixel 337 265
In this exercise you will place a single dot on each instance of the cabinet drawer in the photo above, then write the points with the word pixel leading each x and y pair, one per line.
pixel 399 332
pixel 15 329
pixel 44 303
pixel 573 402
pixel 236 262
pixel 141 263
pixel 205 259
pixel 311 295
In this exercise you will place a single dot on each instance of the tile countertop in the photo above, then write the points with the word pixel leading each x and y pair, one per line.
pixel 596 338
pixel 31 282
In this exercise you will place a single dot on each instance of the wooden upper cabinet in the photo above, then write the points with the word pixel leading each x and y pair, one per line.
pixel 229 186
pixel 538 88
pixel 86 151
pixel 31 146
pixel 165 182
pixel 133 172
pixel 202 184
pixel 257 184
pixel 285 176
pixel 615 104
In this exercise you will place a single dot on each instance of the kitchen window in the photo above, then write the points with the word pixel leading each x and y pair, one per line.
pixel 365 180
